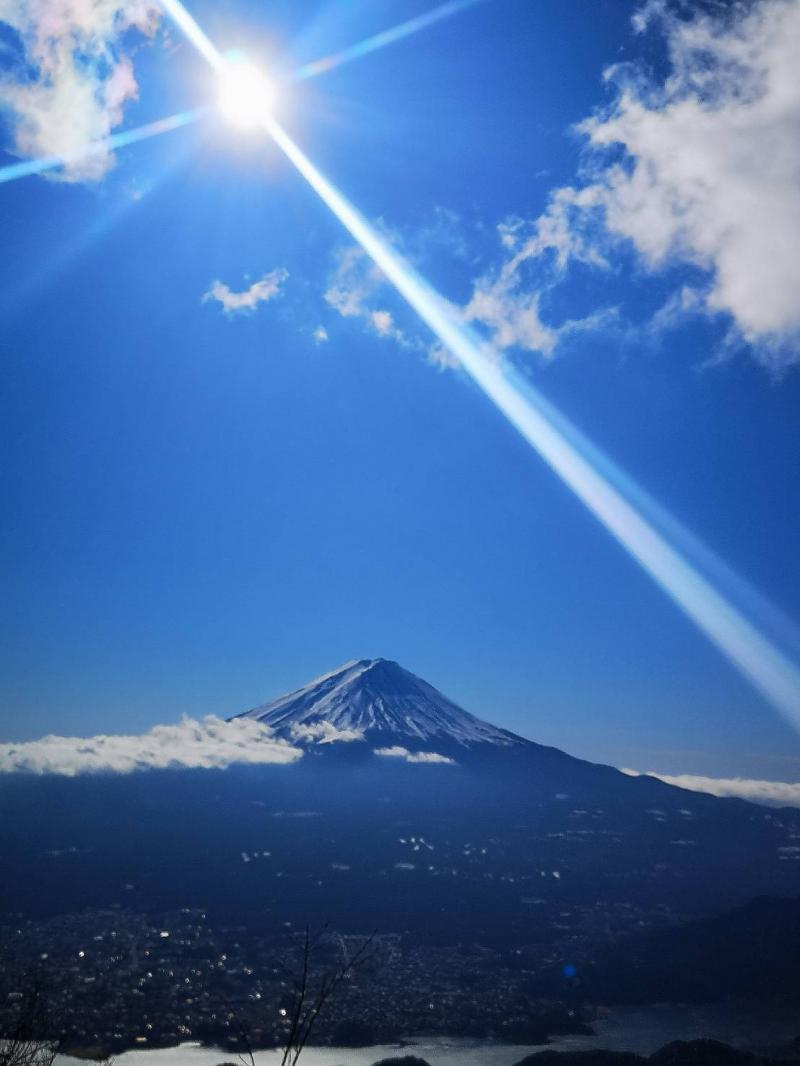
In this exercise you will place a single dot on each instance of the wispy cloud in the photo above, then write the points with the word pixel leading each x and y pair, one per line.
pixel 511 315
pixel 397 752
pixel 441 357
pixel 320 335
pixel 246 301
pixel 354 290
pixel 210 743
pixel 358 290
pixel 701 168
pixel 67 82
pixel 771 793
pixel 508 300
pixel 354 280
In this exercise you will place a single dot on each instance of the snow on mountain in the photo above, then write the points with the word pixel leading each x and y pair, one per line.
pixel 365 697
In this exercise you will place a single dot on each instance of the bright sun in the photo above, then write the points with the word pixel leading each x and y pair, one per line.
pixel 246 96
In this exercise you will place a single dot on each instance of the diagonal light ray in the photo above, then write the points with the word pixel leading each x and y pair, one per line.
pixel 117 140
pixel 609 494
pixel 189 27
pixel 568 453
pixel 382 39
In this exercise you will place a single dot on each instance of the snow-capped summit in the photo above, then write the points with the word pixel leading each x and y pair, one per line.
pixel 373 699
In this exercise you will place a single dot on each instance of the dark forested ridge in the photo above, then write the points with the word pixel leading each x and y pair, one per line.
pixel 494 847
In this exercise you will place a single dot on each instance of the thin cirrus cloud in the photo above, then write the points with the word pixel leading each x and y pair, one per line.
pixel 771 793
pixel 398 752
pixel 702 168
pixel 209 743
pixel 247 300
pixel 68 78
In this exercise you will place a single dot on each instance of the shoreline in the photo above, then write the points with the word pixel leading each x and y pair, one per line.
pixel 643 1030
pixel 228 1055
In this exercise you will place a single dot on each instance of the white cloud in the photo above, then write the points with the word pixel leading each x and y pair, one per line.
pixel 701 168
pixel 353 291
pixel 245 302
pixel 441 357
pixel 353 281
pixel 510 309
pixel 712 167
pixel 72 80
pixel 325 733
pixel 383 323
pixel 397 752
pixel 508 301
pixel 771 793
pixel 563 233
pixel 208 743
pixel 511 315
pixel 320 334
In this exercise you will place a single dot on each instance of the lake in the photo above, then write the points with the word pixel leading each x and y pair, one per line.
pixel 643 1031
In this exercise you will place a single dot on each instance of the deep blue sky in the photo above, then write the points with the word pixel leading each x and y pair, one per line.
pixel 200 511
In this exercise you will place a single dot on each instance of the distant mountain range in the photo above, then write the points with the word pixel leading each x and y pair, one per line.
pixel 751 954
pixel 406 814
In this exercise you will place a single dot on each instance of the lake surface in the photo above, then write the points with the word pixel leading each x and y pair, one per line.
pixel 643 1031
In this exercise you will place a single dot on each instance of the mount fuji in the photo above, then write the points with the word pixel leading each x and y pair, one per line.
pixel 377 701
pixel 404 813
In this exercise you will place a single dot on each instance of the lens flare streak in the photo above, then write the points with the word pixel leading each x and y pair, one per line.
pixel 605 490
pixel 566 451
pixel 187 25
pixel 382 39
pixel 109 144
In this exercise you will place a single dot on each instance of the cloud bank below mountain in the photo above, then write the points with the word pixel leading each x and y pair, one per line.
pixel 324 733
pixel 770 793
pixel 398 752
pixel 210 743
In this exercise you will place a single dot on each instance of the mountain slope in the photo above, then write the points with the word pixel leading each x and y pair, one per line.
pixel 427 821
pixel 379 700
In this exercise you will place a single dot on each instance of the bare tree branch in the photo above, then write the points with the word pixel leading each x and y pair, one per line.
pixel 26 1038
pixel 311 1002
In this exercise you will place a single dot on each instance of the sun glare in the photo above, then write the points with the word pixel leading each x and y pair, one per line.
pixel 246 95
